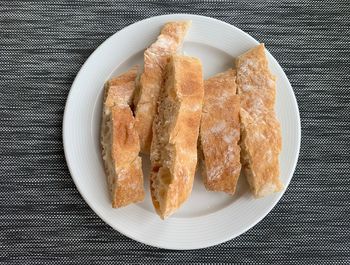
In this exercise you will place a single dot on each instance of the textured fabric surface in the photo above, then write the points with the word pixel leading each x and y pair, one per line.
pixel 44 220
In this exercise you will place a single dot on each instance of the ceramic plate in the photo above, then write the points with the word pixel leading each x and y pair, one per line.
pixel 207 218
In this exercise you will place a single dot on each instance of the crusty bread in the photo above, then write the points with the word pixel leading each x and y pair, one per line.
pixel 155 58
pixel 261 145
pixel 220 133
pixel 120 143
pixel 175 134
pixel 260 130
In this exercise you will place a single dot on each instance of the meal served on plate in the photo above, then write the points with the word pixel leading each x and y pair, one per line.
pixel 233 112
pixel 175 134
pixel 120 142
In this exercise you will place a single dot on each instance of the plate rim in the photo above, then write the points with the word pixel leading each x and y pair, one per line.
pixel 87 200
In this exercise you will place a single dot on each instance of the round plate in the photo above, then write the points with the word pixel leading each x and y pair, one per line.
pixel 207 218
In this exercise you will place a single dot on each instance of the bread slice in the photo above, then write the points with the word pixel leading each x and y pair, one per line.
pixel 261 145
pixel 220 133
pixel 155 58
pixel 175 134
pixel 261 140
pixel 120 143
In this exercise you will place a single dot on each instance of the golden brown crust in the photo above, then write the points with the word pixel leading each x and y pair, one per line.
pixel 155 58
pixel 128 182
pixel 220 133
pixel 260 129
pixel 255 80
pixel 175 134
pixel 119 90
pixel 261 145
pixel 120 142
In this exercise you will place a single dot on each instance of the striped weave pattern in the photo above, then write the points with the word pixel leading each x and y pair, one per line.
pixel 44 220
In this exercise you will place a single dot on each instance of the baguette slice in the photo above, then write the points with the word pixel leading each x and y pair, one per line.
pixel 120 142
pixel 155 58
pixel 175 134
pixel 220 133
pixel 261 145
pixel 261 140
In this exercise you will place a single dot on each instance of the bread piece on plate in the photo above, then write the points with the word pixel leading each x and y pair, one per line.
pixel 256 84
pixel 155 58
pixel 261 140
pixel 120 143
pixel 175 134
pixel 261 145
pixel 220 133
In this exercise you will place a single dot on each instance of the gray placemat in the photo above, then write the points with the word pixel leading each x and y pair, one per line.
pixel 44 220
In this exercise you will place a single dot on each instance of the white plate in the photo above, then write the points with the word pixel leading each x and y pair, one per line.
pixel 207 218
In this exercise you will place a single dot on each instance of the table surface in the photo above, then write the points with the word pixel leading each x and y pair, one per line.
pixel 44 220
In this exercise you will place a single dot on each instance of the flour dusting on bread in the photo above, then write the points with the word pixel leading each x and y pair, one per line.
pixel 230 116
pixel 120 143
pixel 261 133
pixel 220 133
pixel 155 59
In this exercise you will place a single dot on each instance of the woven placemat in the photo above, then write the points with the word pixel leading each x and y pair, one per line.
pixel 44 220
